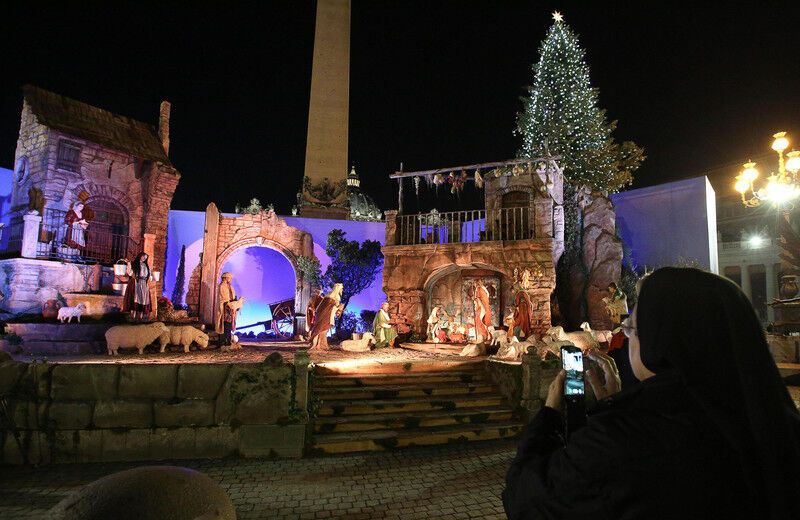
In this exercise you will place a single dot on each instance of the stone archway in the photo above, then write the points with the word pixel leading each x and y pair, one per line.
pixel 448 289
pixel 224 235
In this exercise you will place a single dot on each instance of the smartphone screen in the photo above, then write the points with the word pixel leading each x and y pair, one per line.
pixel 572 361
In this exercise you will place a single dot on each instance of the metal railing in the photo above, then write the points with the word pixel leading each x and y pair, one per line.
pixel 456 227
pixel 99 242
pixel 13 243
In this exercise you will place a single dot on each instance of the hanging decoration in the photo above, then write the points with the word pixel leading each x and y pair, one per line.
pixel 416 186
pixel 478 180
pixel 438 179
pixel 457 182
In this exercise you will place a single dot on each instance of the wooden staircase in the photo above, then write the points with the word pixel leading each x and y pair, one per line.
pixel 395 405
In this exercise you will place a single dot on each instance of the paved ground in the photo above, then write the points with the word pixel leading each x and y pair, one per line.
pixel 449 482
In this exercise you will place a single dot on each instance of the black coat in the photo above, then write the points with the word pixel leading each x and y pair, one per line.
pixel 647 453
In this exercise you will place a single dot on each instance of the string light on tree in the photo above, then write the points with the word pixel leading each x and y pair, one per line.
pixel 561 116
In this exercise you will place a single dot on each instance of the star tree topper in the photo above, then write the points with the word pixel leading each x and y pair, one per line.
pixel 558 17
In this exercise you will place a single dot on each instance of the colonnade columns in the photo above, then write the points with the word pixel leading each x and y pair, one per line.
pixel 772 284
pixel 746 288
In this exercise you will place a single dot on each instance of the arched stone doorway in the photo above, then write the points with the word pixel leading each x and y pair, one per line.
pixel 225 235
pixel 451 289
pixel 264 275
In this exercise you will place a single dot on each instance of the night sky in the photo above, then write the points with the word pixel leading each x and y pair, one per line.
pixel 433 83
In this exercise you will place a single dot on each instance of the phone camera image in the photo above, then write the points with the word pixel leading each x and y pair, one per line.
pixel 573 365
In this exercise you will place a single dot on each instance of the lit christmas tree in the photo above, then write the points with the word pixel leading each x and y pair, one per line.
pixel 561 113
pixel 561 117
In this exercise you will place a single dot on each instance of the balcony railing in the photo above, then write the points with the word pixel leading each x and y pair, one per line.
pixel 746 244
pixel 56 240
pixel 466 226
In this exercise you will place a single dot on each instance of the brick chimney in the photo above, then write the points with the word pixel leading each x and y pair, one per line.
pixel 163 125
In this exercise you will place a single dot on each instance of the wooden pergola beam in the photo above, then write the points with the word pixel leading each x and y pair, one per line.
pixel 480 166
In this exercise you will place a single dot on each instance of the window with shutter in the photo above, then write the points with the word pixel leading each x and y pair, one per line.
pixel 68 156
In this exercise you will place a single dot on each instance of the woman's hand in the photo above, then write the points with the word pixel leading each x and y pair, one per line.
pixel 555 393
pixel 612 384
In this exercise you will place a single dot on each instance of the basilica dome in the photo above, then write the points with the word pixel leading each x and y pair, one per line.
pixel 362 207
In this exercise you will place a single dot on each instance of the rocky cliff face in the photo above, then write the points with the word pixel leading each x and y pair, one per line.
pixel 601 263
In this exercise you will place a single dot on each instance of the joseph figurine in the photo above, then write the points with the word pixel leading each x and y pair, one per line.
pixel 228 305
pixel 324 317
pixel 311 308
pixel 382 329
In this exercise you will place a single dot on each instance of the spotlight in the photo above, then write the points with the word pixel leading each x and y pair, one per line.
pixel 755 241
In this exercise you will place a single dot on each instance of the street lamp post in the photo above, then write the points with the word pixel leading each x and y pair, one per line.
pixel 782 187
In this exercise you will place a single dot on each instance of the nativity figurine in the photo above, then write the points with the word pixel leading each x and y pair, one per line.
pixel 325 316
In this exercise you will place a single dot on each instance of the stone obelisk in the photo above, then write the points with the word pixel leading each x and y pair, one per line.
pixel 324 190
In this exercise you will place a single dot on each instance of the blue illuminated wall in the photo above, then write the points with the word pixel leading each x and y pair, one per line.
pixel 261 274
pixel 6 181
pixel 669 223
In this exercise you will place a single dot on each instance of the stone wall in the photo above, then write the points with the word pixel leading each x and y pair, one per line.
pixel 116 412
pixel 28 283
pixel 545 187
pixel 30 163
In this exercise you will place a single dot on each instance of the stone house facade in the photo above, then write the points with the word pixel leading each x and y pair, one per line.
pixel 431 258
pixel 69 151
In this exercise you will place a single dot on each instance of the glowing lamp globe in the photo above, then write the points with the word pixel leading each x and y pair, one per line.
pixel 793 161
pixel 741 185
pixel 780 143
pixel 750 172
pixel 755 241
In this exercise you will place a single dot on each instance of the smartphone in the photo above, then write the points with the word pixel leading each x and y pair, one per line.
pixel 574 389
pixel 572 362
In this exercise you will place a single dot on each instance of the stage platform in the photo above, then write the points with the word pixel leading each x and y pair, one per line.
pixel 254 352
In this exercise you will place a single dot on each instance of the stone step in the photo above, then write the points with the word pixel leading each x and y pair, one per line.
pixel 389 439
pixel 321 382
pixel 794 392
pixel 405 390
pixel 351 367
pixel 395 421
pixel 411 404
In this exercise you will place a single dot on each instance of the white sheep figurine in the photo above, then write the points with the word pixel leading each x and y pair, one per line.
pixel 133 336
pixel 499 336
pixel 358 345
pixel 581 339
pixel 183 335
pixel 512 350
pixel 473 350
pixel 602 336
pixel 67 313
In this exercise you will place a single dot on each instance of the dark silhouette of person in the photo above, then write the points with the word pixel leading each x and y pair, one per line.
pixel 710 432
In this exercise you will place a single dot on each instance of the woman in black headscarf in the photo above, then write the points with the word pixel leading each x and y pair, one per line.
pixel 710 432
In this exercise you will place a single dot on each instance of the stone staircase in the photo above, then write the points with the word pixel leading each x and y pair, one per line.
pixel 395 405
